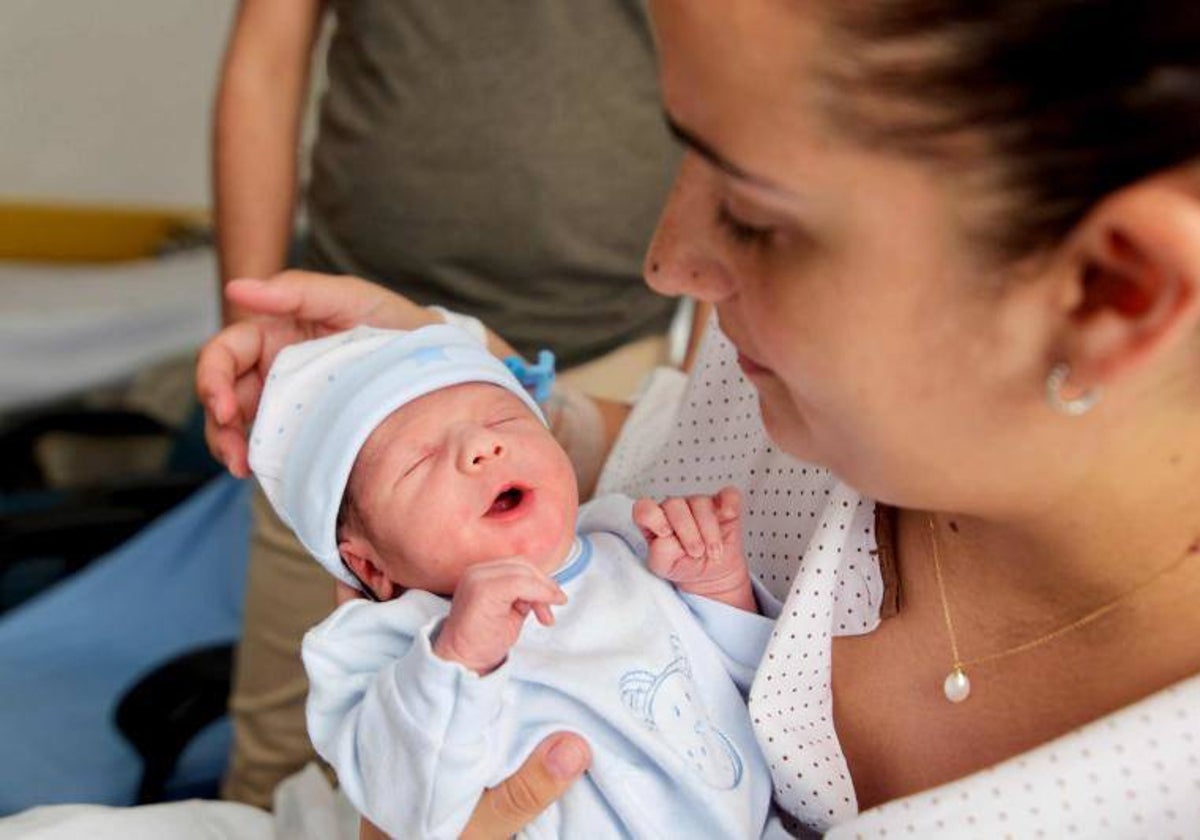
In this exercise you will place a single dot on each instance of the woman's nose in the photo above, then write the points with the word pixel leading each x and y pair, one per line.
pixel 683 258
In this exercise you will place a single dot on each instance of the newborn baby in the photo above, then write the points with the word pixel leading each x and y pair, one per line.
pixel 416 468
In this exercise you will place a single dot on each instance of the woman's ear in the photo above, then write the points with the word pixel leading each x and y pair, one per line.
pixel 359 556
pixel 1135 280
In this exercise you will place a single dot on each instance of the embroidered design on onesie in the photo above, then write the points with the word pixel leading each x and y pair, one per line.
pixel 668 703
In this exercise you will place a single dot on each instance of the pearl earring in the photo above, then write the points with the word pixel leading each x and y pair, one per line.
pixel 1074 407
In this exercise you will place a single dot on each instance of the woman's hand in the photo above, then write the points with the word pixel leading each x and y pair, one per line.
pixel 545 776
pixel 514 803
pixel 292 306
pixel 343 593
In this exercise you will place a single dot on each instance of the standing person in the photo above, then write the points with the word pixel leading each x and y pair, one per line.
pixel 954 251
pixel 507 164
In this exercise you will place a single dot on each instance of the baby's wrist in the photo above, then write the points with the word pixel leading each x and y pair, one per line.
pixel 733 588
pixel 444 648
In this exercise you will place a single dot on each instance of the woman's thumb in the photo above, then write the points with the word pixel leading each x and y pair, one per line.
pixel 545 776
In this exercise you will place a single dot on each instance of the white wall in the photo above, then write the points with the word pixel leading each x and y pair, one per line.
pixel 108 100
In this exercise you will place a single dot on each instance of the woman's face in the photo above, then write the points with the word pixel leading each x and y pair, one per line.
pixel 879 346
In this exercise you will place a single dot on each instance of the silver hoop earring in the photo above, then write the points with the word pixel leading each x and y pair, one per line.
pixel 1074 407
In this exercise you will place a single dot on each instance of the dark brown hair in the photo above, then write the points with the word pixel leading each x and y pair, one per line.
pixel 1073 99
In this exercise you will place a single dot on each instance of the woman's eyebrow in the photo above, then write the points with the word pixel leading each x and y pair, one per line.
pixel 705 149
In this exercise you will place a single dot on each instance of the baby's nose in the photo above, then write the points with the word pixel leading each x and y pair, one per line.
pixel 478 445
pixel 486 452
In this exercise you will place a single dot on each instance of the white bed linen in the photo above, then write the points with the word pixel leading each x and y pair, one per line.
pixel 306 808
pixel 64 328
pixel 191 820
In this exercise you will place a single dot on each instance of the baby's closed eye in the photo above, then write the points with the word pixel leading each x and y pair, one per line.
pixel 419 459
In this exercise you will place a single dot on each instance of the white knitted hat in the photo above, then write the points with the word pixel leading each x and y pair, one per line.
pixel 323 399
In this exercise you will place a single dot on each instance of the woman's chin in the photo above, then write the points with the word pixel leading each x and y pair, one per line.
pixel 787 429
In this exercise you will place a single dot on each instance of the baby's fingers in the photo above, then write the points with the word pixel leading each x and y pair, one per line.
pixel 705 515
pixel 649 517
pixel 683 523
pixel 539 610
pixel 544 616
pixel 664 558
pixel 728 504
pixel 531 589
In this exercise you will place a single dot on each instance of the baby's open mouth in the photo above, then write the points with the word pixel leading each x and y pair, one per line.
pixel 508 499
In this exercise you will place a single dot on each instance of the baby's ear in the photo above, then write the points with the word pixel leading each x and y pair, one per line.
pixel 359 556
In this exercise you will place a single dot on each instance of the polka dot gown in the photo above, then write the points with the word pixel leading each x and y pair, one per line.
pixel 1135 773
pixel 809 539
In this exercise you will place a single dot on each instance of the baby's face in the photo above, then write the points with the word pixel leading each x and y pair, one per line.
pixel 461 476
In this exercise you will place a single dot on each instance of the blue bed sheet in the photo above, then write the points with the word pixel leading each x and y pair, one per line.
pixel 68 656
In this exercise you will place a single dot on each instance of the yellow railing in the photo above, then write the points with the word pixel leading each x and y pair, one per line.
pixel 92 233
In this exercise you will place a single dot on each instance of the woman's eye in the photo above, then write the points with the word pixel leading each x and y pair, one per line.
pixel 742 233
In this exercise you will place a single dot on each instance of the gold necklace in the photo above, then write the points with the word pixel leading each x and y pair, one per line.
pixel 957 686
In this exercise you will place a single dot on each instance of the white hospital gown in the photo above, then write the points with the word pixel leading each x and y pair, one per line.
pixel 810 539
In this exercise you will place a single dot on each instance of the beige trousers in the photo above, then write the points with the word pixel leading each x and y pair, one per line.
pixel 287 593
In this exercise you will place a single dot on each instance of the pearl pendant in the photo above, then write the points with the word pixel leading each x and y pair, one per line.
pixel 957 686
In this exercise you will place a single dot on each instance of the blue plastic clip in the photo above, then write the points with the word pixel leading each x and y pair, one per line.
pixel 537 379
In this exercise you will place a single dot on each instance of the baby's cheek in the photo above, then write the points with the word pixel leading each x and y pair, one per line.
pixel 445 543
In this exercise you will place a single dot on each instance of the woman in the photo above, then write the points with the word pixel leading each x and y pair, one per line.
pixel 956 248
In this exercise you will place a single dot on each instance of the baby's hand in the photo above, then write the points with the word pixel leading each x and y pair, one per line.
pixel 696 543
pixel 489 608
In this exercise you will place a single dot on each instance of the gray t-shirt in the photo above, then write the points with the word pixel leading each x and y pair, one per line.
pixel 504 159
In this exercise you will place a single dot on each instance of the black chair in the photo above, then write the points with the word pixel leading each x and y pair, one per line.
pixel 168 707
pixel 48 533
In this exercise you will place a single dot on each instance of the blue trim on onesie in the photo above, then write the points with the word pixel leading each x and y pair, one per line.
pixel 577 561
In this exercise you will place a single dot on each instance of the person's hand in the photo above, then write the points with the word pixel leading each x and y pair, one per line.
pixel 343 592
pixel 545 776
pixel 489 608
pixel 504 810
pixel 696 543
pixel 292 306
